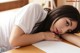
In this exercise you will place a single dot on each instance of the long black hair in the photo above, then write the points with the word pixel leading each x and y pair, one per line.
pixel 60 12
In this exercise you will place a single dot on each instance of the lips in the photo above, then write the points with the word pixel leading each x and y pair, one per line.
pixel 57 31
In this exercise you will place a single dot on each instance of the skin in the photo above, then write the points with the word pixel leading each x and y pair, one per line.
pixel 63 25
pixel 19 38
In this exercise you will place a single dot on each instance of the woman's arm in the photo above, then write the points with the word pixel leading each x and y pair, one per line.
pixel 74 39
pixel 19 38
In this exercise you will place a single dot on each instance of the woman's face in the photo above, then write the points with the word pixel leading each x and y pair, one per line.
pixel 63 25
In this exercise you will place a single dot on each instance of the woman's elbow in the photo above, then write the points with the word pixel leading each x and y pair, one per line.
pixel 13 43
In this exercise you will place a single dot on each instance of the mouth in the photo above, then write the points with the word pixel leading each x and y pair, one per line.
pixel 57 31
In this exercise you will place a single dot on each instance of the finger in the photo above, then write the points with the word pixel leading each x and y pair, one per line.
pixel 57 38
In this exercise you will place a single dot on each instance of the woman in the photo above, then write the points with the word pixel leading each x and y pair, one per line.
pixel 34 24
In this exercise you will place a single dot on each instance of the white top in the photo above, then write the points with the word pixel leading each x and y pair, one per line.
pixel 27 17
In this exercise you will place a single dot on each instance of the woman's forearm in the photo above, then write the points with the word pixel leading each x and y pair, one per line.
pixel 27 39
pixel 72 38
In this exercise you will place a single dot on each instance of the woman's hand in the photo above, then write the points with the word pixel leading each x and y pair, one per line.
pixel 50 36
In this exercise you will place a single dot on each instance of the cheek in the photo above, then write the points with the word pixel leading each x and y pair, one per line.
pixel 56 25
pixel 59 24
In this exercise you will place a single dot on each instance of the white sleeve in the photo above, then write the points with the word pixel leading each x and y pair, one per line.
pixel 28 16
